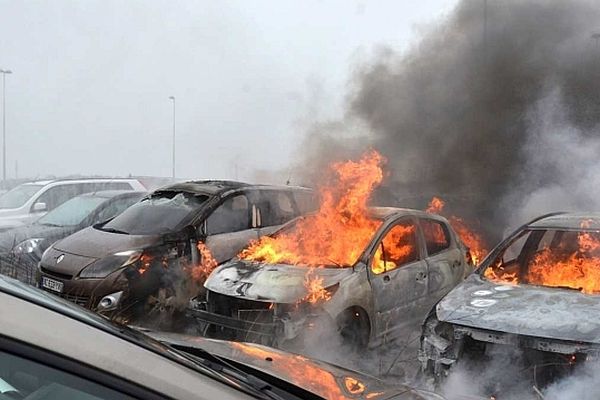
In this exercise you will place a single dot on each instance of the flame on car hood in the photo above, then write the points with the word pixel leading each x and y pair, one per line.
pixel 277 283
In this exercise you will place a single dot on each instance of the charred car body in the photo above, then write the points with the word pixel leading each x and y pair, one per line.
pixel 115 266
pixel 536 292
pixel 374 300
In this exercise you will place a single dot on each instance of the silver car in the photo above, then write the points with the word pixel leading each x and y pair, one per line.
pixel 370 302
pixel 51 349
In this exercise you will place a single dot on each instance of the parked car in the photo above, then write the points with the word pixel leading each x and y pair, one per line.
pixel 28 243
pixel 381 297
pixel 536 292
pixel 29 201
pixel 114 267
pixel 88 357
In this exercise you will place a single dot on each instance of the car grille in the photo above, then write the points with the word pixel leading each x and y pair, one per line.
pixel 240 308
pixel 55 274
pixel 79 300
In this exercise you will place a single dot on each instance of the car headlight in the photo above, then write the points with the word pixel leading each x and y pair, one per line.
pixel 28 246
pixel 107 265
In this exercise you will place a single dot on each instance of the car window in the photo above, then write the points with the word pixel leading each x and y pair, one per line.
pixel 276 208
pixel 21 378
pixel 305 201
pixel 437 236
pixel 116 207
pixel 398 247
pixel 160 213
pixel 18 196
pixel 72 212
pixel 90 187
pixel 233 215
pixel 56 195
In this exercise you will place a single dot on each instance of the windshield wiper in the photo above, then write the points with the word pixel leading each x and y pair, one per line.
pixel 113 230
pixel 223 367
pixel 50 224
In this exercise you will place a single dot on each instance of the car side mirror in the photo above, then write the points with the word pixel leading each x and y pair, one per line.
pixel 39 207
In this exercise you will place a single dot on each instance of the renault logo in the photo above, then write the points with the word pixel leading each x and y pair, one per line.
pixel 60 258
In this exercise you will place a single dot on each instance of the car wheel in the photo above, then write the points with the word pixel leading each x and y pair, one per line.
pixel 354 329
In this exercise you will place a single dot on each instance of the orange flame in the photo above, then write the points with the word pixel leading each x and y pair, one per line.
pixel 561 266
pixel 471 239
pixel 314 286
pixel 339 231
pixel 207 264
pixel 304 373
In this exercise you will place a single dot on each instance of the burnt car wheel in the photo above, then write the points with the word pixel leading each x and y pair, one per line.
pixel 354 328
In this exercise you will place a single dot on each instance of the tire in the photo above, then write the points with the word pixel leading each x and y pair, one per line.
pixel 354 328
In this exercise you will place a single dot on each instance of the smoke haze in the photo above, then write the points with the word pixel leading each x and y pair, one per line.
pixel 497 120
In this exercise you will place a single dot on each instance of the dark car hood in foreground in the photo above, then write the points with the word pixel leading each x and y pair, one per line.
pixel 277 283
pixel 523 309
pixel 50 234
pixel 323 379
pixel 95 243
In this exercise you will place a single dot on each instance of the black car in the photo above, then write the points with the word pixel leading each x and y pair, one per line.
pixel 23 246
pixel 115 267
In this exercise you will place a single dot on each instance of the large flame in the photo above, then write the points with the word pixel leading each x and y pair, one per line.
pixel 207 264
pixel 470 238
pixel 561 266
pixel 341 228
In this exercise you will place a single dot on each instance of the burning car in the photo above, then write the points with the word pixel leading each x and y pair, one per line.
pixel 114 267
pixel 537 292
pixel 372 271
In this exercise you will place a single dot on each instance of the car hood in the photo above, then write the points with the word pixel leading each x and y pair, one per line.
pixel 95 243
pixel 320 378
pixel 13 237
pixel 522 309
pixel 278 283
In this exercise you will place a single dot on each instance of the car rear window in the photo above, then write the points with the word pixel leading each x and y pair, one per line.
pixel 158 214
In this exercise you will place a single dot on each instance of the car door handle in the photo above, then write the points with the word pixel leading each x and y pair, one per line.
pixel 421 276
pixel 456 264
pixel 386 278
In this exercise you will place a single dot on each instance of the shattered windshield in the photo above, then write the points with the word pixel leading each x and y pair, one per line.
pixel 18 196
pixel 161 213
pixel 554 258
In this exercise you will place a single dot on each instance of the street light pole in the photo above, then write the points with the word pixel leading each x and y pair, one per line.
pixel 173 156
pixel 4 72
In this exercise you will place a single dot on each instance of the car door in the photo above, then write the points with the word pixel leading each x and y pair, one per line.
pixel 398 276
pixel 230 227
pixel 444 259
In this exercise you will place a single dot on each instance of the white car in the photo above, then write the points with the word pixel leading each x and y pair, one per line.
pixel 29 201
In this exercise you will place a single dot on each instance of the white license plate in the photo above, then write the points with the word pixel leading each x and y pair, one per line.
pixel 51 284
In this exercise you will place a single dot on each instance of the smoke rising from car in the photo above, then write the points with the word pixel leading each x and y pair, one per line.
pixel 463 113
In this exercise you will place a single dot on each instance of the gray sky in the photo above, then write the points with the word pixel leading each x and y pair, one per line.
pixel 91 79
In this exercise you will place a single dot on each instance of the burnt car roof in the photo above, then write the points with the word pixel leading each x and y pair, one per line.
pixel 385 212
pixel 216 187
pixel 568 221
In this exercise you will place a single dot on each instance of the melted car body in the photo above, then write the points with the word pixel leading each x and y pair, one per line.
pixel 268 303
pixel 532 293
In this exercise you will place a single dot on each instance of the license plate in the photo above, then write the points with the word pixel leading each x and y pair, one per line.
pixel 51 284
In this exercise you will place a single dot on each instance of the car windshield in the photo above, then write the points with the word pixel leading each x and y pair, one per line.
pixel 161 213
pixel 568 259
pixel 72 212
pixel 18 196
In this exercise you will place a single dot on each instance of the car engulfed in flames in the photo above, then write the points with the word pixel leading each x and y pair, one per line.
pixel 370 272
pixel 536 293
